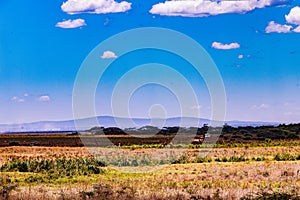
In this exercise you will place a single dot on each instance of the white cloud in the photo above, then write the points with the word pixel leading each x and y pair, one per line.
pixel 95 6
pixel 17 99
pixel 277 28
pixel 20 100
pixel 218 45
pixel 71 23
pixel 297 30
pixel 14 98
pixel 25 94
pixel 44 98
pixel 108 54
pixel 241 56
pixel 264 105
pixel 294 16
pixel 201 8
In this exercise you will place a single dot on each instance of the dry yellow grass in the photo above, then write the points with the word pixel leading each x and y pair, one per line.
pixel 180 181
pixel 7 153
pixel 229 180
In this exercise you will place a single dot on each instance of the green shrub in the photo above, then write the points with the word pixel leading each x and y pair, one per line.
pixel 182 160
pixel 54 168
pixel 201 160
pixel 286 157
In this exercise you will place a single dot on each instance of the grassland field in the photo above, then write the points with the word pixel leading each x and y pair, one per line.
pixel 256 170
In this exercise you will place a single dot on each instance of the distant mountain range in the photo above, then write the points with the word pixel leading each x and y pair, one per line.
pixel 109 121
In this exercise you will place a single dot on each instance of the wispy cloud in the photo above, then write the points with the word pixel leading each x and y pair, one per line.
pixel 278 28
pixel 95 6
pixel 44 98
pixel 198 107
pixel 71 23
pixel 219 45
pixel 201 8
pixel 108 54
pixel 261 106
pixel 17 99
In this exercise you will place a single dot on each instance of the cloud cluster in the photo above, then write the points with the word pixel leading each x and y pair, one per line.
pixel 108 54
pixel 292 18
pixel 95 6
pixel 17 99
pixel 71 23
pixel 277 28
pixel 201 8
pixel 41 98
pixel 219 45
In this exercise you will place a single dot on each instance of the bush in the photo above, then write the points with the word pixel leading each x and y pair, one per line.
pixel 286 157
pixel 182 160
pixel 14 143
pixel 54 168
pixel 201 160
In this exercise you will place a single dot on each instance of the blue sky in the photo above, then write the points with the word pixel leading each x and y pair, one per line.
pixel 255 45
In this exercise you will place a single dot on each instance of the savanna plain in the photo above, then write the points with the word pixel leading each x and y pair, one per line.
pixel 268 169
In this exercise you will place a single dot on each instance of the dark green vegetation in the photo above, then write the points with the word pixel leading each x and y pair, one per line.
pixel 261 133
pixel 231 136
pixel 48 170
pixel 225 135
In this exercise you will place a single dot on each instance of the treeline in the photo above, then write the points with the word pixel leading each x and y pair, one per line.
pixel 260 133
pixel 150 130
pixel 228 133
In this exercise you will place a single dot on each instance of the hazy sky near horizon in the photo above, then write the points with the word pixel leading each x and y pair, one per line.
pixel 254 44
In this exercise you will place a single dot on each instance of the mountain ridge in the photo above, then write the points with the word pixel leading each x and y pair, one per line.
pixel 110 121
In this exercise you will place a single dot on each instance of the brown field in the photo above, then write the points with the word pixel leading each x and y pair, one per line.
pixel 73 140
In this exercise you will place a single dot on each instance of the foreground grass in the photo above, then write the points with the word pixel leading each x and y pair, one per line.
pixel 178 181
pixel 224 173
